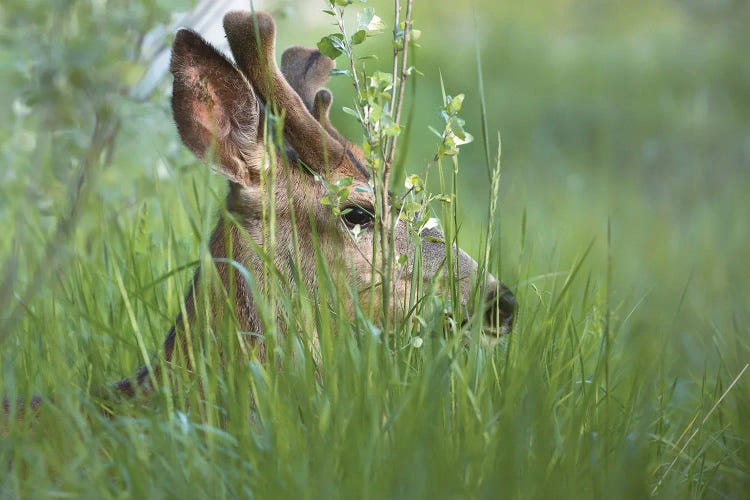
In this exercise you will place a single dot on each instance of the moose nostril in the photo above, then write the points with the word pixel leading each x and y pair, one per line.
pixel 508 306
pixel 500 310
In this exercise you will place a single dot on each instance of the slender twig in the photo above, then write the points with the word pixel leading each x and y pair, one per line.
pixel 353 69
pixel 396 14
pixel 404 62
pixel 402 80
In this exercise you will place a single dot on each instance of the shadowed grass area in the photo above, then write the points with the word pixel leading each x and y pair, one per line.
pixel 621 229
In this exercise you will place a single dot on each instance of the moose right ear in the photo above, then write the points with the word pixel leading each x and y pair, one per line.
pixel 215 108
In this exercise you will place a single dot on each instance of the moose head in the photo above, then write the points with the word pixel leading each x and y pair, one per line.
pixel 220 109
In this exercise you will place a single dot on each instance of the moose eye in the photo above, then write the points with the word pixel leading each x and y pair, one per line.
pixel 356 215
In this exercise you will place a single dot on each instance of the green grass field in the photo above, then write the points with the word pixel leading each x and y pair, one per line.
pixel 622 229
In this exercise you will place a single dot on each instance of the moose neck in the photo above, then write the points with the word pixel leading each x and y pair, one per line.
pixel 229 246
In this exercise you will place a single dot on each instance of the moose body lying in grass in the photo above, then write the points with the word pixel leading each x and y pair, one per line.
pixel 220 109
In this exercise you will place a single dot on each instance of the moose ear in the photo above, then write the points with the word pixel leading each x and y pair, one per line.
pixel 215 108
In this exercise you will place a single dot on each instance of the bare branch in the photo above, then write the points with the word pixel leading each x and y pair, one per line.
pixel 396 14
pixel 402 81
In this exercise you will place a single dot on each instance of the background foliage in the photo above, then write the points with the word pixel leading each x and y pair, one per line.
pixel 624 124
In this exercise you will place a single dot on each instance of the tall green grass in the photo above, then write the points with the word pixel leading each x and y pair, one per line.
pixel 575 403
pixel 599 391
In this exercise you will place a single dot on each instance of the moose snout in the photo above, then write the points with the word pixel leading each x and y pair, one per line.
pixel 499 309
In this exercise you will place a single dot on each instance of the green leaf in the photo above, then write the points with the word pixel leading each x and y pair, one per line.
pixel 448 147
pixel 466 139
pixel 376 112
pixel 369 22
pixel 380 79
pixel 463 136
pixel 331 45
pixel 454 104
pixel 391 129
pixel 411 69
pixel 364 17
pixel 413 182
pixel 350 111
pixel 375 26
pixel 359 37
pixel 410 209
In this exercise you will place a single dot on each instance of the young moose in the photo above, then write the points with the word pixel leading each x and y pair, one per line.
pixel 219 110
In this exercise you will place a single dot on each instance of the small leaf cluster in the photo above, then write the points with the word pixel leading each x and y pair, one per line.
pixel 414 210
pixel 374 92
pixel 414 35
pixel 375 98
pixel 373 110
pixel 337 193
pixel 453 135
pixel 336 44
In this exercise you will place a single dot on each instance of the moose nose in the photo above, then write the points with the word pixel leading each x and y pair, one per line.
pixel 500 310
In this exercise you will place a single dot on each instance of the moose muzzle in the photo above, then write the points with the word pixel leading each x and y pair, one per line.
pixel 497 306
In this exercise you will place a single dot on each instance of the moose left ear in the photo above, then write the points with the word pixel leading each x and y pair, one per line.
pixel 215 108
